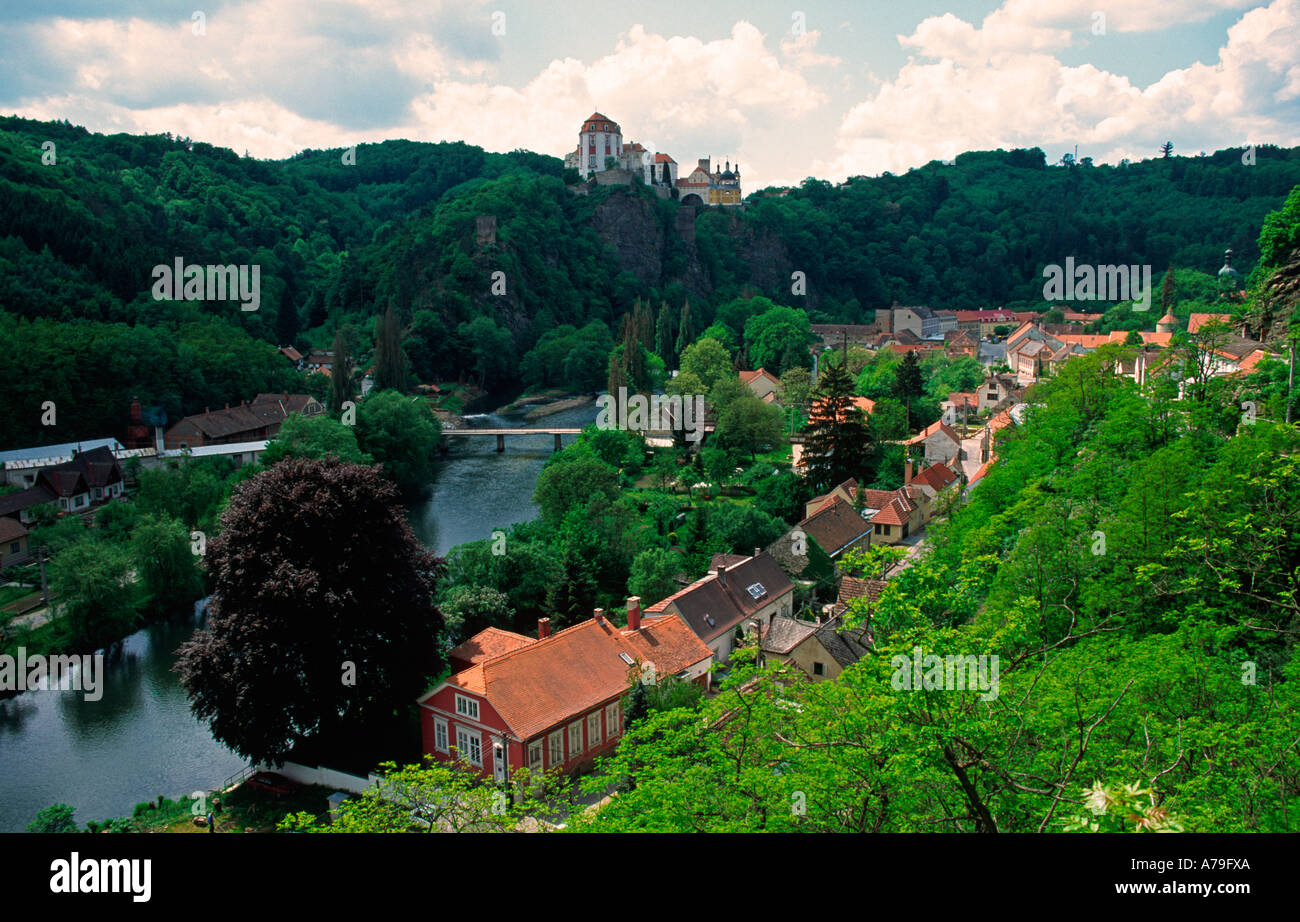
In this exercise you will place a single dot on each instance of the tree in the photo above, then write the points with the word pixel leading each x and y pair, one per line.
pixel 321 625
pixel 439 797
pixel 489 349
pixel 91 581
pixel 466 610
pixel 837 442
pixel 402 434
pixel 685 328
pixel 796 389
pixel 572 480
pixel 653 575
pixel 776 337
pixel 1167 149
pixel 747 424
pixel 392 366
pixel 314 437
pixel 664 336
pixel 165 563
pixel 708 361
pixel 54 818
pixel 341 371
pixel 909 383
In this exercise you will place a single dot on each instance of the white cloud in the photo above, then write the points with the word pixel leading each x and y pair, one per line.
pixel 979 96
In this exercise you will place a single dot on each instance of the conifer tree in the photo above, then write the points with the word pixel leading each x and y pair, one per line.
pixel 664 336
pixel 837 443
pixel 392 367
pixel 340 374
pixel 686 328
pixel 909 383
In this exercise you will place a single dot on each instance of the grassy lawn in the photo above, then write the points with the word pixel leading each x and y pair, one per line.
pixel 9 595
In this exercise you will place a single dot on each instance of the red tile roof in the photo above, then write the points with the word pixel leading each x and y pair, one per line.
pixel 547 682
pixel 936 426
pixel 489 643
pixel 936 476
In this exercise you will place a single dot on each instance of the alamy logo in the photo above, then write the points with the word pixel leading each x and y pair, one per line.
pixel 102 875
pixel 657 413
pixel 83 673
pixel 208 283
pixel 954 672
pixel 1098 283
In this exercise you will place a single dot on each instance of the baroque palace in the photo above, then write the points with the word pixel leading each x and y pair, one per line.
pixel 601 147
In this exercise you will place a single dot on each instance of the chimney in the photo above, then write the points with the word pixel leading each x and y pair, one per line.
pixel 722 574
pixel 757 551
pixel 543 628
pixel 634 613
pixel 907 471
pixel 600 616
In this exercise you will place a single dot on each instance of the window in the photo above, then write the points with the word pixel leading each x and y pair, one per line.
pixel 439 734
pixel 535 756
pixel 467 707
pixel 575 738
pixel 470 746
pixel 611 719
pixel 556 741
pixel 593 729
pixel 819 669
pixel 13 548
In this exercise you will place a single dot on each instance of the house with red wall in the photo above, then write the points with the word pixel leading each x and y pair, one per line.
pixel 556 702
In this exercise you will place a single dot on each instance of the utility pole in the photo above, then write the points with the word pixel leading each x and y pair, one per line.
pixel 45 587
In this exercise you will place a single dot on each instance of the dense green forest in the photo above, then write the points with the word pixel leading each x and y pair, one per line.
pixel 85 217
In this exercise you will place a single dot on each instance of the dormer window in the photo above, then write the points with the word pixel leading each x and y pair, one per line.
pixel 467 707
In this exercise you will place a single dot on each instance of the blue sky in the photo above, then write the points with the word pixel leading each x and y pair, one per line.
pixel 789 90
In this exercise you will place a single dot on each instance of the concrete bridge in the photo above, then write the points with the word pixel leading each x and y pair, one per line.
pixel 502 433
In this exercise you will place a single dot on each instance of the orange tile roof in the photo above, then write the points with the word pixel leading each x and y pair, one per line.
pixel 936 426
pixel 979 475
pixel 936 476
pixel 747 376
pixel 489 643
pixel 865 404
pixel 893 514
pixel 547 682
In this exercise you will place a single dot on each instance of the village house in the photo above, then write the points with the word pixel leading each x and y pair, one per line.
pixel 22 506
pixel 729 596
pixel 941 443
pixel 22 465
pixel 958 343
pixel 822 650
pixel 88 479
pixel 13 543
pixel 555 702
pixel 762 384
pixel 983 322
pixel 836 525
pixel 996 391
pixel 248 422
pixel 922 321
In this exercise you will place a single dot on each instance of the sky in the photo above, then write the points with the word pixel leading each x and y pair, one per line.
pixel 787 90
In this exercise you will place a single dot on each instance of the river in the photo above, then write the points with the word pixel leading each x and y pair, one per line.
pixel 140 739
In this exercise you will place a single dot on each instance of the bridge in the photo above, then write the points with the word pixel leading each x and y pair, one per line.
pixel 502 433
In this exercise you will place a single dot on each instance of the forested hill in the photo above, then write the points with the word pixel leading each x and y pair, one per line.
pixel 85 217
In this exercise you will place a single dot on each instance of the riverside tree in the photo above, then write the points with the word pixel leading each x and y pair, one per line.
pixel 322 616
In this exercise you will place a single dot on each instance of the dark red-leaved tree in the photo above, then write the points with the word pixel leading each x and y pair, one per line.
pixel 322 621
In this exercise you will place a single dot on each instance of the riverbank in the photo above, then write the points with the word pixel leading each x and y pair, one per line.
pixel 558 406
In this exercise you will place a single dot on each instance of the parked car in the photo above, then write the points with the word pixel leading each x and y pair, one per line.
pixel 271 783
